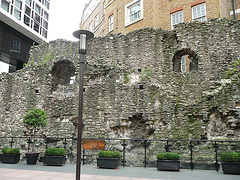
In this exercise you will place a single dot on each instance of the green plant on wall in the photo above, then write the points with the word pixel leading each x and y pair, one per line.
pixel 70 49
pixel 77 50
pixel 233 69
pixel 126 77
pixel 146 73
pixel 48 56
pixel 191 119
pixel 33 119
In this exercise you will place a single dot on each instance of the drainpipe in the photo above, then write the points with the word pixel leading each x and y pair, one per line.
pixel 233 5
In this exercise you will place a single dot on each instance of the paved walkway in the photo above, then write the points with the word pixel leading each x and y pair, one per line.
pixel 22 171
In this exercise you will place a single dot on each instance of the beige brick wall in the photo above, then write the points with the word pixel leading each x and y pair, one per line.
pixel 117 8
pixel 157 13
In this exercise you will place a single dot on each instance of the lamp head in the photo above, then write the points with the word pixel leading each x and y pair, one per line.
pixel 83 36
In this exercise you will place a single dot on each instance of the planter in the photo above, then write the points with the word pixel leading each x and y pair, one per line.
pixel 9 158
pixel 54 160
pixel 32 158
pixel 231 167
pixel 111 163
pixel 168 165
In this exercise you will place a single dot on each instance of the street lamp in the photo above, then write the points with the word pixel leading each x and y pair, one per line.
pixel 83 36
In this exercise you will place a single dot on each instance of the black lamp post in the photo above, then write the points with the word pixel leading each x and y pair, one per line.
pixel 83 35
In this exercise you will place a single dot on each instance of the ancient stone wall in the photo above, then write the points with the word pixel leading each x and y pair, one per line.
pixel 133 87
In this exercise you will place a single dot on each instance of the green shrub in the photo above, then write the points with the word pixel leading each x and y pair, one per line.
pixel 35 118
pixel 10 151
pixel 109 154
pixel 168 156
pixel 101 154
pixel 55 152
pixel 161 156
pixel 14 151
pixel 116 154
pixel 4 150
pixel 230 157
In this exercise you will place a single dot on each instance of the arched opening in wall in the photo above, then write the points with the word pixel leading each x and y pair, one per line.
pixel 63 73
pixel 185 60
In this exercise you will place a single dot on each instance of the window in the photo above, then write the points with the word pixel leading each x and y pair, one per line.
pixel 46 4
pixel 27 15
pixel 15 45
pixel 45 16
pixel 133 12
pixel 5 5
pixel 199 12
pixel 183 64
pixel 18 4
pixel 96 20
pixel 44 33
pixel 185 60
pixel 90 26
pixel 28 2
pixel 176 18
pixel 38 9
pixel 110 23
pixel 17 14
pixel 17 9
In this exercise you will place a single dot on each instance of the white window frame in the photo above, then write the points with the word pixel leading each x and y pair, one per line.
pixel 18 10
pixel 110 23
pixel 183 64
pixel 237 11
pixel 90 28
pixel 4 7
pixel 97 20
pixel 176 18
pixel 199 17
pixel 127 12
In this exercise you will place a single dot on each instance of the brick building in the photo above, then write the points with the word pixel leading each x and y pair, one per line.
pixel 93 17
pixel 123 16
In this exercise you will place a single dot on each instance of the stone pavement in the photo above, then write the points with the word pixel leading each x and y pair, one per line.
pixel 22 171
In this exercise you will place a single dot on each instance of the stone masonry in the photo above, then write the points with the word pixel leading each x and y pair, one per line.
pixel 131 88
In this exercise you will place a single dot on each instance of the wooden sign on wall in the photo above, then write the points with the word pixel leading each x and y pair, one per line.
pixel 94 144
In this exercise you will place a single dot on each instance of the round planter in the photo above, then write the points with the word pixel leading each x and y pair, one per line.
pixel 32 158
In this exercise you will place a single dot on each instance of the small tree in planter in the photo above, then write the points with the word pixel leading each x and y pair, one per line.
pixel 11 156
pixel 54 156
pixel 168 161
pixel 33 119
pixel 108 159
pixel 230 162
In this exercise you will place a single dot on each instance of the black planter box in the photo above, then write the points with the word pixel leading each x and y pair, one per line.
pixel 32 158
pixel 231 167
pixel 54 160
pixel 111 163
pixel 168 165
pixel 9 158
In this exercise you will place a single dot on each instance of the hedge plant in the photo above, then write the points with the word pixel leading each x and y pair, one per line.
pixel 55 152
pixel 109 154
pixel 230 157
pixel 10 151
pixel 168 156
